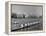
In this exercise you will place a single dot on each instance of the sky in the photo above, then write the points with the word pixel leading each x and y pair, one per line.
pixel 27 9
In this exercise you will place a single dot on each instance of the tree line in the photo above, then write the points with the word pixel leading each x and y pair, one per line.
pixel 23 16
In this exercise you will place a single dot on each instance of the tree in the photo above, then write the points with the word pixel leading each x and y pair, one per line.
pixel 29 16
pixel 23 15
pixel 14 15
pixel 40 16
pixel 20 17
pixel 34 17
